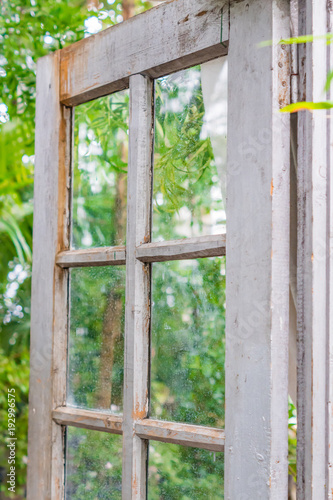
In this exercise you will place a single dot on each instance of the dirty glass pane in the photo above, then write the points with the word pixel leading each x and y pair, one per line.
pixel 188 341
pixel 190 152
pixel 100 172
pixel 93 465
pixel 96 339
pixel 180 473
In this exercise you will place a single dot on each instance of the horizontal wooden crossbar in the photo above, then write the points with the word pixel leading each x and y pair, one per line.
pixel 86 419
pixel 191 248
pixel 194 436
pixel 92 257
pixel 193 32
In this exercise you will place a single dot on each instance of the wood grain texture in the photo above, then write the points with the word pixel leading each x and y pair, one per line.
pixel 60 322
pixel 191 248
pixel 137 313
pixel 312 262
pixel 103 256
pixel 101 64
pixel 194 436
pixel 86 419
pixel 257 256
pixel 45 243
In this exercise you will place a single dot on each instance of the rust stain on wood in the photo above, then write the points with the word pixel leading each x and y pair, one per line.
pixel 57 481
pixel 284 75
pixel 202 13
pixel 184 20
pixel 135 485
pixel 138 414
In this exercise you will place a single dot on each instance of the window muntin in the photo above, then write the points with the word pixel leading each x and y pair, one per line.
pixel 100 172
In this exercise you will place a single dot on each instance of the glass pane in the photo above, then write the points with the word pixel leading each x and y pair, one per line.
pixel 96 340
pixel 179 473
pixel 100 172
pixel 93 465
pixel 190 152
pixel 188 341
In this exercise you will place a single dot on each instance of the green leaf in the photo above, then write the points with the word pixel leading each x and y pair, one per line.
pixel 328 80
pixel 297 40
pixel 299 106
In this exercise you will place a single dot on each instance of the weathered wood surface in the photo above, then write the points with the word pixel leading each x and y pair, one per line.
pixel 137 314
pixel 49 131
pixel 86 419
pixel 313 272
pixel 191 248
pixel 60 321
pixel 165 39
pixel 292 376
pixel 103 256
pixel 194 436
pixel 257 278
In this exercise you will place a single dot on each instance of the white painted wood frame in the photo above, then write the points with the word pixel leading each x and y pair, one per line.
pixel 314 273
pixel 257 276
pixel 191 31
pixel 257 246
pixel 52 149
pixel 189 248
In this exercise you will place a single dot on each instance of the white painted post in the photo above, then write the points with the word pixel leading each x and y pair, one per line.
pixel 256 450
pixel 312 273
pixel 52 159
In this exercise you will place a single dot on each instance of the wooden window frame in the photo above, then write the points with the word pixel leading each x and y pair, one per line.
pixel 257 253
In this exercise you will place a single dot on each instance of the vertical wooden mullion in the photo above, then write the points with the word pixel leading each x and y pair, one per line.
pixel 47 373
pixel 137 314
pixel 61 305
pixel 257 253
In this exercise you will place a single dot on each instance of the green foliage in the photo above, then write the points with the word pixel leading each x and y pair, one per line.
pixel 180 473
pixel 100 173
pixel 188 351
pixel 292 441
pixel 94 294
pixel 299 39
pixel 298 106
pixel 94 464
pixel 185 174
pixel 14 374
